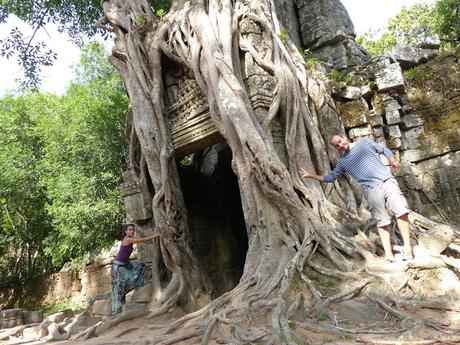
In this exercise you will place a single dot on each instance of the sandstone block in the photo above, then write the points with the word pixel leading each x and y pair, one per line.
pixel 436 240
pixel 129 306
pixel 56 317
pixel 410 138
pixel 409 56
pixel 141 295
pixel 394 131
pixel 80 323
pixel 411 120
pixel 376 120
pixel 102 307
pixel 350 92
pixel 390 78
pixel 34 316
pixel 360 132
pixel 353 114
pixel 35 332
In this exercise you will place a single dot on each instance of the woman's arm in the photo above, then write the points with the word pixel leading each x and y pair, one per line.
pixel 131 240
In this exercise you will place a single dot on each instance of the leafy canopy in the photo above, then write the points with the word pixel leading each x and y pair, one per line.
pixel 62 159
pixel 418 23
pixel 76 18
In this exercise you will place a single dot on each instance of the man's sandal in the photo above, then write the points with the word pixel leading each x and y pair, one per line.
pixel 389 259
pixel 407 256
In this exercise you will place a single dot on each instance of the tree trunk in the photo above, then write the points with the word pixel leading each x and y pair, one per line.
pixel 288 219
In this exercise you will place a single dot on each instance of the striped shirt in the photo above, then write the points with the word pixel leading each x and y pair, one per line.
pixel 363 163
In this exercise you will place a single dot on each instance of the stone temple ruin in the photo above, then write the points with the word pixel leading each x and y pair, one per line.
pixel 376 105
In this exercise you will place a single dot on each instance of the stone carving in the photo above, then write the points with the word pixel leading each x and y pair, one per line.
pixel 191 126
pixel 136 201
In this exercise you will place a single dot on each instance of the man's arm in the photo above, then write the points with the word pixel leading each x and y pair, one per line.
pixel 306 174
pixel 380 149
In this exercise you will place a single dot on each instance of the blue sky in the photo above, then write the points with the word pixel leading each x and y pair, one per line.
pixel 365 14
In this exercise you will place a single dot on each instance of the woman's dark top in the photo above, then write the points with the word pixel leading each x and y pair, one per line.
pixel 124 253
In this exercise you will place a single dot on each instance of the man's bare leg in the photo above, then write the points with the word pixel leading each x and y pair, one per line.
pixel 403 226
pixel 384 234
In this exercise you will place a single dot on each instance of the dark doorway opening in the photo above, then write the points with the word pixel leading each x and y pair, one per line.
pixel 215 215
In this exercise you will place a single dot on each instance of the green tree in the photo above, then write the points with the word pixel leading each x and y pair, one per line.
pixel 84 158
pixel 415 24
pixel 77 18
pixel 448 12
pixel 24 221
pixel 61 164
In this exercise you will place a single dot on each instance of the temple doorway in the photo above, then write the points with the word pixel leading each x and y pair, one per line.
pixel 215 215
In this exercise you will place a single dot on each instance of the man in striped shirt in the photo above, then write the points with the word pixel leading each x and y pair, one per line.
pixel 362 161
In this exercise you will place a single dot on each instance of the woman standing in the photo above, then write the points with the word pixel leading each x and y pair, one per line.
pixel 127 274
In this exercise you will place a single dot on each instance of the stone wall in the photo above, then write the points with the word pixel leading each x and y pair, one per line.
pixel 83 286
pixel 416 114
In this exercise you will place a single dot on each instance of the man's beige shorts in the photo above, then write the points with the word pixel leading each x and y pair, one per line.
pixel 386 195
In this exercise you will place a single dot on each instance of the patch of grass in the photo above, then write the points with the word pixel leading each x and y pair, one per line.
pixel 314 62
pixel 419 76
pixel 335 75
pixel 422 296
pixel 160 13
pixel 349 337
pixel 296 281
pixel 372 85
pixel 233 330
pixel 187 160
pixel 433 274
pixel 327 283
pixel 64 304
pixel 327 340
pixel 282 338
pixel 322 316
pixel 401 317
pixel 292 324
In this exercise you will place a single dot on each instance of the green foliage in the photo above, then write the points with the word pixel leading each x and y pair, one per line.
pixel 64 304
pixel 284 35
pixel 335 75
pixel 296 281
pixel 422 296
pixel 448 24
pixel 375 46
pixel 61 170
pixel 372 85
pixel 339 79
pixel 322 316
pixel 24 222
pixel 414 24
pixel 77 18
pixel 418 23
pixel 292 324
pixel 160 13
pixel 419 76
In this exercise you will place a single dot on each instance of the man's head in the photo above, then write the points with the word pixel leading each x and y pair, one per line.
pixel 340 142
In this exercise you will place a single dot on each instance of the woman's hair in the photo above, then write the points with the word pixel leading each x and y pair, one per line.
pixel 130 224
